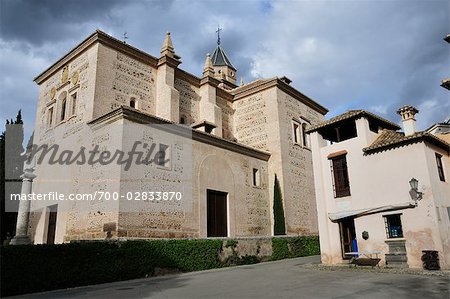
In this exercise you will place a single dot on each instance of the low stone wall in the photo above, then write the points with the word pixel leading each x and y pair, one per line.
pixel 236 249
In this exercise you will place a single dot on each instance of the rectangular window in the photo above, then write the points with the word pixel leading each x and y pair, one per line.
pixel 440 167
pixel 296 131
pixel 393 226
pixel 340 176
pixel 256 177
pixel 305 136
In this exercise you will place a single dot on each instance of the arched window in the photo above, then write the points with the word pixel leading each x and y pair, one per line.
pixel 183 120
pixel 63 101
pixel 74 104
pixel 133 103
pixel 50 117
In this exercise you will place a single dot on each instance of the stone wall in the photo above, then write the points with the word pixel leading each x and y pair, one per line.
pixel 189 101
pixel 207 167
pixel 121 78
pixel 227 117
pixel 264 121
pixel 300 205
pixel 251 121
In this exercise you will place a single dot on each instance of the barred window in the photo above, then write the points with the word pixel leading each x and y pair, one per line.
pixel 440 167
pixel 393 225
pixel 340 176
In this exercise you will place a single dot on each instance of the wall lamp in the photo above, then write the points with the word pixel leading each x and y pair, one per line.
pixel 414 192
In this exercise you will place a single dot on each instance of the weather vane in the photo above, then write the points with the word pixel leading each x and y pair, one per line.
pixel 218 34
pixel 125 37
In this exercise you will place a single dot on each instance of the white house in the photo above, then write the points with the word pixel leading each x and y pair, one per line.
pixel 362 169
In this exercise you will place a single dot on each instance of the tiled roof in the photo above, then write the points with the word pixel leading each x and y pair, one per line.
pixel 447 38
pixel 446 83
pixel 353 114
pixel 390 139
pixel 219 58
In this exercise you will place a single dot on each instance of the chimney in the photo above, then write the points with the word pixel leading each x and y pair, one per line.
pixel 409 122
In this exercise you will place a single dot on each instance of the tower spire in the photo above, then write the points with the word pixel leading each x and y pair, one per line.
pixel 208 69
pixel 167 47
pixel 218 34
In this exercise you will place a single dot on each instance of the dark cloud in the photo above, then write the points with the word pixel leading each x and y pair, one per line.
pixel 37 22
pixel 375 55
pixel 43 21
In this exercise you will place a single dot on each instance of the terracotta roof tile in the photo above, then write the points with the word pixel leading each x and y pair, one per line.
pixel 390 139
pixel 353 114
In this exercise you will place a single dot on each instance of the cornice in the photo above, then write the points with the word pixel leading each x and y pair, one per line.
pixel 283 86
pixel 222 93
pixel 188 77
pixel 84 45
pixel 136 116
pixel 209 80
pixel 170 61
pixel 104 39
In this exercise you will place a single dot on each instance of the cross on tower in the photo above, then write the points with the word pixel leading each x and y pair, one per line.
pixel 218 34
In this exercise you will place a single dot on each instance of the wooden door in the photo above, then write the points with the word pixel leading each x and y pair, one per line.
pixel 51 228
pixel 348 236
pixel 217 225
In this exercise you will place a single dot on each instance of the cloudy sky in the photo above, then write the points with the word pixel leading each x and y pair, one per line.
pixel 375 55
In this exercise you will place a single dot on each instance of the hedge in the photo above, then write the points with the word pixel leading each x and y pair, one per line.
pixel 27 269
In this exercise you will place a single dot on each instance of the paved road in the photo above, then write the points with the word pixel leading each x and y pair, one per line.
pixel 282 279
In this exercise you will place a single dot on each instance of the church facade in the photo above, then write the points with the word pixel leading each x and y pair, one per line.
pixel 109 94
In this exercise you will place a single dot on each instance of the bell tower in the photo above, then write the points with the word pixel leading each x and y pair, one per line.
pixel 223 68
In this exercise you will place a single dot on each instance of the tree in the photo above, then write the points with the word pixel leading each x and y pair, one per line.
pixel 279 226
pixel 11 168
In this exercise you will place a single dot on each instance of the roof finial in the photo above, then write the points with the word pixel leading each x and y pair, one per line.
pixel 218 34
pixel 208 69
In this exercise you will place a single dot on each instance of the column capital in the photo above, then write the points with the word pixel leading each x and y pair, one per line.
pixel 28 174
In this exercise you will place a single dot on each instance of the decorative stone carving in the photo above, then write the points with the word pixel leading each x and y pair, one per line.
pixel 52 93
pixel 65 75
pixel 75 78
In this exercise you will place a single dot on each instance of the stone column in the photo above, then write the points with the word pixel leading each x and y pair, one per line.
pixel 23 215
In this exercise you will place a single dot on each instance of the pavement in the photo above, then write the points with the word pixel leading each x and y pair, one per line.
pixel 291 278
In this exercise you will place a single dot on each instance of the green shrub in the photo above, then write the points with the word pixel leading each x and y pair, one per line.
pixel 280 249
pixel 289 247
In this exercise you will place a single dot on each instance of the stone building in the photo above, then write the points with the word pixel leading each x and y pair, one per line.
pixel 105 92
pixel 365 173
